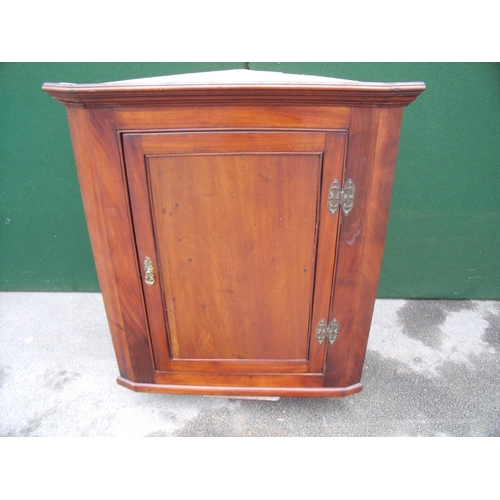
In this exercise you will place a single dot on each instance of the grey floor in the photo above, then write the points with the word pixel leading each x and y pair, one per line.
pixel 432 369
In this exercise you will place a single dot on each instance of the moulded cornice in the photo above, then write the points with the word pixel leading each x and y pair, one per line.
pixel 236 87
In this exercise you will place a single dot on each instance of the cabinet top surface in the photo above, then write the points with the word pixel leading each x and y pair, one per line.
pixel 239 86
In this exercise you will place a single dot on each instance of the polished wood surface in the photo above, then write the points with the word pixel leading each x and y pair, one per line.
pixel 223 184
pixel 239 291
pixel 374 135
pixel 240 117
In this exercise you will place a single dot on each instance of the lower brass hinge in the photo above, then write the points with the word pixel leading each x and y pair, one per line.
pixel 330 331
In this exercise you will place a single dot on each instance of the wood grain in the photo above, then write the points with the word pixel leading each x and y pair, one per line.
pixel 377 215
pixel 334 164
pixel 237 234
pixel 242 379
pixel 244 366
pixel 120 259
pixel 94 214
pixel 374 136
pixel 233 142
pixel 145 247
pixel 241 117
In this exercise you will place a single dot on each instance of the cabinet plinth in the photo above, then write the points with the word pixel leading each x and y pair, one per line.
pixel 237 221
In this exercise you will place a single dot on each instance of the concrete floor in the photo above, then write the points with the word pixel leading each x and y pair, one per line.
pixel 432 369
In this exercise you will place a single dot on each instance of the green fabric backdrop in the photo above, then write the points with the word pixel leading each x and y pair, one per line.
pixel 444 229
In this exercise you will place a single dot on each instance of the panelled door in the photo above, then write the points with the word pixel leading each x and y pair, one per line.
pixel 236 249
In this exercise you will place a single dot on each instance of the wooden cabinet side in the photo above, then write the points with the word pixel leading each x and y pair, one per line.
pixel 371 162
pixel 105 200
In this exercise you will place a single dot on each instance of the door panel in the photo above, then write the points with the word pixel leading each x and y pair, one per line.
pixel 236 239
pixel 233 224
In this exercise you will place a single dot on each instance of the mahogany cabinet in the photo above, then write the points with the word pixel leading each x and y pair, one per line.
pixel 237 220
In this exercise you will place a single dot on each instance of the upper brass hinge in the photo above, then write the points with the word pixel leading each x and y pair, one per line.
pixel 328 331
pixel 340 197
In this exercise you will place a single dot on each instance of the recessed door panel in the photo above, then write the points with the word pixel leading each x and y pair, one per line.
pixel 236 241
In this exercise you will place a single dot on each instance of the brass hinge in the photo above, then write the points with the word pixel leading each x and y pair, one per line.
pixel 330 331
pixel 340 197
